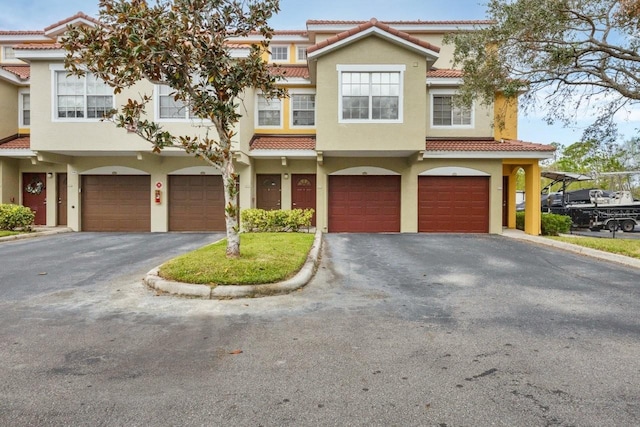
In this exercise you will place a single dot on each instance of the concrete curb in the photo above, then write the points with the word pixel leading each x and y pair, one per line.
pixel 43 232
pixel 303 277
pixel 594 253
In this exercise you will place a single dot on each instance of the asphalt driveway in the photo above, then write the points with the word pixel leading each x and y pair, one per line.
pixel 442 330
pixel 76 260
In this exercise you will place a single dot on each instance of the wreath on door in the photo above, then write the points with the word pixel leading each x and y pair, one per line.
pixel 35 187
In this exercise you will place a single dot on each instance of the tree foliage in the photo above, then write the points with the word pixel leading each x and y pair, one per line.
pixel 185 45
pixel 574 55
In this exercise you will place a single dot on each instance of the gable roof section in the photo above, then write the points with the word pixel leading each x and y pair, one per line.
pixel 373 27
pixel 60 27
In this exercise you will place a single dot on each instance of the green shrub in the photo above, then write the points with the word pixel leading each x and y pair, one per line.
pixel 260 220
pixel 16 216
pixel 551 224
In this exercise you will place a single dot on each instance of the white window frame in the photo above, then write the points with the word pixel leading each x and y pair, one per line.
pixel 294 92
pixel 303 48
pixel 156 108
pixel 21 94
pixel 257 114
pixel 452 93
pixel 280 46
pixel 372 68
pixel 59 68
pixel 11 57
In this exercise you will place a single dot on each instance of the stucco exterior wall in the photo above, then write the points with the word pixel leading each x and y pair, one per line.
pixel 8 109
pixel 50 134
pixel 9 181
pixel 482 120
pixel 335 136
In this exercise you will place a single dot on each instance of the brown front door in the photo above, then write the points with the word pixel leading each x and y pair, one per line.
pixel 505 201
pixel 62 199
pixel 304 193
pixel 268 193
pixel 34 195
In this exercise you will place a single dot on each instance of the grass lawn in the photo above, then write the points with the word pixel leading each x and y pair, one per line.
pixel 630 248
pixel 264 258
pixel 4 233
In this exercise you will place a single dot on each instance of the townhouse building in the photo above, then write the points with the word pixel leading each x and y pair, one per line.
pixel 368 137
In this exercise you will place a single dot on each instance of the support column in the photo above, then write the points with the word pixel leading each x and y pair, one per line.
pixel 511 214
pixel 533 214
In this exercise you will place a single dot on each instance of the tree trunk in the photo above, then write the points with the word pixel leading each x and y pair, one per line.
pixel 231 210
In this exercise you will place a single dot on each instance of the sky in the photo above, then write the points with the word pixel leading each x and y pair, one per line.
pixel 38 14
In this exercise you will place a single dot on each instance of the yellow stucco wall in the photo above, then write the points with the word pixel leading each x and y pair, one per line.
pixel 9 181
pixel 505 117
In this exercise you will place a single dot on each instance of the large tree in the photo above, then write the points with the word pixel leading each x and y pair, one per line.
pixel 566 57
pixel 183 44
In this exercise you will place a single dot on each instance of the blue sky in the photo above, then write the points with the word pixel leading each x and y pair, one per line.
pixel 37 14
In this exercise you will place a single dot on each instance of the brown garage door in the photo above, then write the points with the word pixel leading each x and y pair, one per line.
pixel 453 204
pixel 116 203
pixel 196 203
pixel 364 204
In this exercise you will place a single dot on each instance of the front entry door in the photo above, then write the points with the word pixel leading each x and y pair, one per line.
pixel 34 195
pixel 268 194
pixel 62 199
pixel 304 193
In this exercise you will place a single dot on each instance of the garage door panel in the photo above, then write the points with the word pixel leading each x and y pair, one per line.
pixel 453 204
pixel 116 203
pixel 196 203
pixel 364 203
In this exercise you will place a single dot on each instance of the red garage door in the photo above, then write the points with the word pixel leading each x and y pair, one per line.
pixel 196 203
pixel 453 204
pixel 364 204
pixel 116 203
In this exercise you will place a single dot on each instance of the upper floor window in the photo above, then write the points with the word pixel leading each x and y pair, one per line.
pixel 444 112
pixel 303 109
pixel 25 109
pixel 301 53
pixel 84 97
pixel 8 54
pixel 269 112
pixel 168 107
pixel 374 96
pixel 280 53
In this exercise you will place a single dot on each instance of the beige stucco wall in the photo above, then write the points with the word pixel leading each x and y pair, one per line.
pixel 9 181
pixel 482 121
pixel 48 134
pixel 8 109
pixel 335 136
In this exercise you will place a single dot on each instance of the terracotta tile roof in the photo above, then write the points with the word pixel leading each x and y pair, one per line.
pixel 486 144
pixel 238 46
pixel 444 73
pixel 418 22
pixel 20 33
pixel 19 143
pixel 365 26
pixel 22 71
pixel 294 71
pixel 283 142
pixel 71 18
pixel 38 46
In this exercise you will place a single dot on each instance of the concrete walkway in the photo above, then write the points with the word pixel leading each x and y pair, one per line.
pixel 620 259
